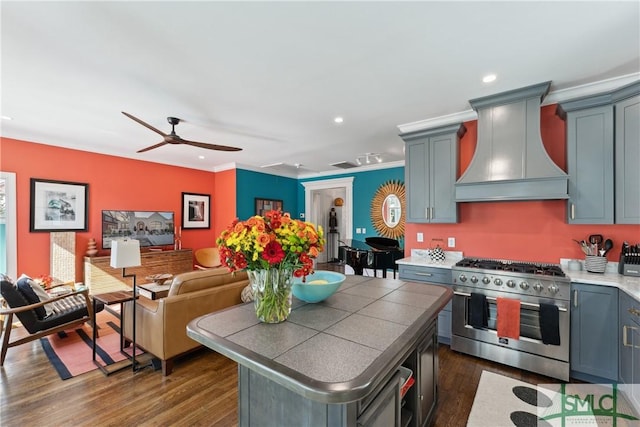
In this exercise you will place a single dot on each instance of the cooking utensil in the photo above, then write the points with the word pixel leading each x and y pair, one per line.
pixel 583 246
pixel 595 240
pixel 608 245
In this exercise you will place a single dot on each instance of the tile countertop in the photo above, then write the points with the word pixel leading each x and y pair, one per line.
pixel 335 351
pixel 629 284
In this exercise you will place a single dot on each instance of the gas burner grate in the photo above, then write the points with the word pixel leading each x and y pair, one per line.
pixel 512 266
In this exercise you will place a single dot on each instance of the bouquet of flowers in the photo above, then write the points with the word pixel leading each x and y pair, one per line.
pixel 273 241
pixel 272 249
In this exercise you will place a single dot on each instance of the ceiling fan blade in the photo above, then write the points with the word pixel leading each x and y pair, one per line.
pixel 148 126
pixel 160 144
pixel 210 146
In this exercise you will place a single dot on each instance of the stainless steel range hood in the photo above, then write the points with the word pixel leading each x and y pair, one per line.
pixel 510 161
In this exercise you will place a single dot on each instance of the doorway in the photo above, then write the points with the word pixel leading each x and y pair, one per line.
pixel 320 198
pixel 8 228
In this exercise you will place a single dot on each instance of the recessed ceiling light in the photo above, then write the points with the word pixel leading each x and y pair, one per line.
pixel 6 118
pixel 489 78
pixel 201 157
pixel 338 120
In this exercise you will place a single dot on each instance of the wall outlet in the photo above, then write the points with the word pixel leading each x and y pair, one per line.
pixel 358 230
pixel 420 237
pixel 364 230
pixel 451 242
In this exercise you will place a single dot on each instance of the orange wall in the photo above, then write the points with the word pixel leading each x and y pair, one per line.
pixel 114 183
pixel 527 230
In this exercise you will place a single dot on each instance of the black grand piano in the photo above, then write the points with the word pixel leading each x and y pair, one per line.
pixel 377 253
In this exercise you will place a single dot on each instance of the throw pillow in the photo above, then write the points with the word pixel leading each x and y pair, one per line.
pixel 27 287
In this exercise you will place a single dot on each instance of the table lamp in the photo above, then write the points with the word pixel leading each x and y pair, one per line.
pixel 126 253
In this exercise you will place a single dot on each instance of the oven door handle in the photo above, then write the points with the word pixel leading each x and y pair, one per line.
pixel 526 304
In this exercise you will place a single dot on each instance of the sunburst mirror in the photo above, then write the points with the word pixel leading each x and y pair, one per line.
pixel 388 210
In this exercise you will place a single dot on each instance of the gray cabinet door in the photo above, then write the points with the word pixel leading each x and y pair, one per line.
pixel 417 180
pixel 443 154
pixel 627 148
pixel 431 166
pixel 594 322
pixel 427 379
pixel 590 165
pixel 629 331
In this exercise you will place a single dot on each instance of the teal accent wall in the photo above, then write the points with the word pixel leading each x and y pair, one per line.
pixel 250 185
pixel 365 185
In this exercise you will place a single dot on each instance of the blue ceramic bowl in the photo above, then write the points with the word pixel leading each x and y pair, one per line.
pixel 316 292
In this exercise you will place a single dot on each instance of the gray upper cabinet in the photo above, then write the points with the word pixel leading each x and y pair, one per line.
pixel 431 165
pixel 590 165
pixel 603 149
pixel 627 136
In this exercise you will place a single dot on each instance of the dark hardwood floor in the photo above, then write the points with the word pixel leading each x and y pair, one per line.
pixel 202 391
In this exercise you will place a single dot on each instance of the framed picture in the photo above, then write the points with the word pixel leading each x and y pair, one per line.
pixel 265 205
pixel 58 205
pixel 196 210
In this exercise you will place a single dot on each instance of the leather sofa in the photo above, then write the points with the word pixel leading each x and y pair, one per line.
pixel 161 324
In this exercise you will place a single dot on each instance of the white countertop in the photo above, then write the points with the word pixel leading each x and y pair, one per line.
pixel 629 284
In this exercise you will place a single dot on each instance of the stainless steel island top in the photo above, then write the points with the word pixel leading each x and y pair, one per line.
pixel 335 351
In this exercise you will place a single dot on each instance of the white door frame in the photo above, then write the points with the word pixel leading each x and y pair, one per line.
pixel 11 220
pixel 325 184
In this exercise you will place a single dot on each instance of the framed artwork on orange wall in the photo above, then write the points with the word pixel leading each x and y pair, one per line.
pixel 58 205
pixel 196 211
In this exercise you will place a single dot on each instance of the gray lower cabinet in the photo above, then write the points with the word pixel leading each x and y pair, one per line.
pixel 594 343
pixel 431 166
pixel 263 402
pixel 627 113
pixel 440 276
pixel 603 151
pixel 629 332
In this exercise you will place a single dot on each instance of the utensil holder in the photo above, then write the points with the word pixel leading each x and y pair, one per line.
pixel 595 264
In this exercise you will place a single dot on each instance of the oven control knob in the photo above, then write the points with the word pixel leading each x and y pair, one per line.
pixel 553 288
pixel 474 279
pixel 511 283
pixel 486 280
pixel 524 286
pixel 538 287
pixel 498 282
pixel 462 278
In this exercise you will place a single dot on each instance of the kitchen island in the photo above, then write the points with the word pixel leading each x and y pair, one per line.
pixel 335 363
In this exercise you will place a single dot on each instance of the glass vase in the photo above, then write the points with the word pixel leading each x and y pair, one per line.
pixel 271 293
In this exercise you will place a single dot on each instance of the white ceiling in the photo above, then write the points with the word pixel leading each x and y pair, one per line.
pixel 270 76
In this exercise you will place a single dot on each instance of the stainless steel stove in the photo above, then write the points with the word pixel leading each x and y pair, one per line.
pixel 533 284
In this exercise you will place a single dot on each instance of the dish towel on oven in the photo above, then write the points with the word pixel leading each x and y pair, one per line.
pixel 508 318
pixel 478 311
pixel 549 324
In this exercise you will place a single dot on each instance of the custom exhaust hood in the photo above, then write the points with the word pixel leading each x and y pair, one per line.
pixel 510 161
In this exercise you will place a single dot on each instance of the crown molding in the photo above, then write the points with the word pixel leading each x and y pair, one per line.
pixel 553 97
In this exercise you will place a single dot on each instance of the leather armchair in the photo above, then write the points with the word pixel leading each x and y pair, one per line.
pixel 161 325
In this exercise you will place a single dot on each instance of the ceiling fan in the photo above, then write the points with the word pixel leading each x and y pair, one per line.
pixel 173 138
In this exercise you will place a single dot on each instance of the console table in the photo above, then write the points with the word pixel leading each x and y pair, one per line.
pixel 100 277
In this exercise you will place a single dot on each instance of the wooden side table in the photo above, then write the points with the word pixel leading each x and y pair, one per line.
pixel 108 299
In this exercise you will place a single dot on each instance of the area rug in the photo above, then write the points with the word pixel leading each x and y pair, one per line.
pixel 503 402
pixel 70 351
